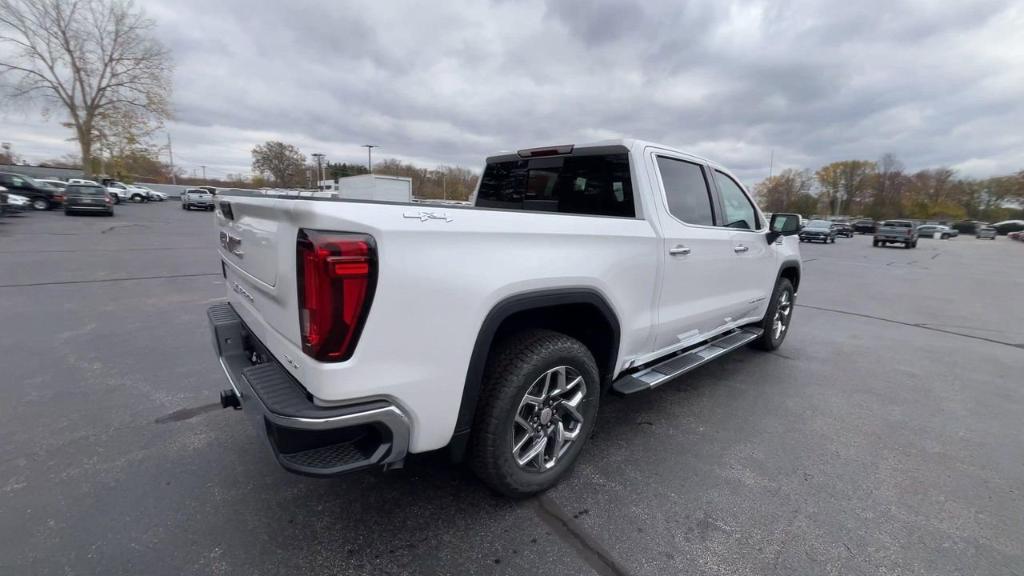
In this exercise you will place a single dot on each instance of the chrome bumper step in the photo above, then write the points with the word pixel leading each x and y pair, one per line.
pixel 680 364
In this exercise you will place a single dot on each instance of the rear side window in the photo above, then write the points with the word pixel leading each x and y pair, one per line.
pixel 597 185
pixel 686 190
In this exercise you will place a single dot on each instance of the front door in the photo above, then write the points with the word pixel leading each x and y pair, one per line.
pixel 754 262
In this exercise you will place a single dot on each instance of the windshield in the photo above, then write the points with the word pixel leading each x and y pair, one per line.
pixel 898 224
pixel 819 224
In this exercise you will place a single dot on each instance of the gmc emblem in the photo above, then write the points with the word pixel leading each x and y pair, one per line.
pixel 232 244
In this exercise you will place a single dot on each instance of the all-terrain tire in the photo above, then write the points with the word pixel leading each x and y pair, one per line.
pixel 514 365
pixel 768 339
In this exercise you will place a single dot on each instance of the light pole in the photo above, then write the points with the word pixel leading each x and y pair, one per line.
pixel 369 155
pixel 319 169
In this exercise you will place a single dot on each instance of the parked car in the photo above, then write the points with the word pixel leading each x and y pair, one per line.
pixel 119 192
pixel 562 306
pixel 843 228
pixel 85 198
pixel 196 198
pixel 58 184
pixel 986 231
pixel 1004 227
pixel 16 203
pixel 3 201
pixel 967 226
pixel 896 232
pixel 930 230
pixel 42 196
pixel 151 195
pixel 864 226
pixel 819 231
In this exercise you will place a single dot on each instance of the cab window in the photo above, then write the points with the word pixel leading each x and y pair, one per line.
pixel 737 210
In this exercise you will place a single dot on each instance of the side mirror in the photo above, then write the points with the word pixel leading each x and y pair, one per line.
pixel 783 225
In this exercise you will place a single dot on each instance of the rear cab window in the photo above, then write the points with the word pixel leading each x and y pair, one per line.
pixel 687 191
pixel 593 182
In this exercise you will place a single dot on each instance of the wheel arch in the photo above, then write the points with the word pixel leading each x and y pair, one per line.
pixel 790 269
pixel 582 313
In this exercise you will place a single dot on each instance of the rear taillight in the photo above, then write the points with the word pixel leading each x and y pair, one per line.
pixel 337 275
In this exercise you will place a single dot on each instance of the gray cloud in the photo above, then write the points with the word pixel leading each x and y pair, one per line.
pixel 451 82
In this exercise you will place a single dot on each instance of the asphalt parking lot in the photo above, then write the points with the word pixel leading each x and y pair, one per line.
pixel 885 437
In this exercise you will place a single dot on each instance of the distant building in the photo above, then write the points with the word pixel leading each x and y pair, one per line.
pixel 42 171
pixel 370 187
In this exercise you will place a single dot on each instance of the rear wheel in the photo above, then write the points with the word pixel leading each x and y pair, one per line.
pixel 776 320
pixel 40 204
pixel 537 408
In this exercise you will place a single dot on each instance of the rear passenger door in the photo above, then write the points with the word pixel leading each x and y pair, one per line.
pixel 695 297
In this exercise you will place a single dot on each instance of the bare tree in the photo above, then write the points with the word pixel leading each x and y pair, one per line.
pixel 284 162
pixel 95 60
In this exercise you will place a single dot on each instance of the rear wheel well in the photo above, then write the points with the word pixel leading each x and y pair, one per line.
pixel 580 313
pixel 581 321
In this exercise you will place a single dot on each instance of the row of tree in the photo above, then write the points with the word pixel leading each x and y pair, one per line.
pixel 884 189
pixel 284 165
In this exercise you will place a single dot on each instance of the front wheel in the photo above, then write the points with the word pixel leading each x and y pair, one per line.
pixel 776 320
pixel 537 407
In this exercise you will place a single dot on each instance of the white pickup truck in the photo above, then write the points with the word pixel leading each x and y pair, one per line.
pixel 358 332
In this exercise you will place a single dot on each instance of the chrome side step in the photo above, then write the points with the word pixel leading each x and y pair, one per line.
pixel 682 363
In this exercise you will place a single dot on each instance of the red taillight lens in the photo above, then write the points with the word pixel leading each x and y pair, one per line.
pixel 337 275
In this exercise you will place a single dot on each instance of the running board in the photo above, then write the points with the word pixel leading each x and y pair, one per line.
pixel 682 363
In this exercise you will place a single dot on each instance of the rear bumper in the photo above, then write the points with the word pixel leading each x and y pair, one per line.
pixel 305 438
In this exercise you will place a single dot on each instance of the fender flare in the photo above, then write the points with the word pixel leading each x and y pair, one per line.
pixel 790 264
pixel 485 339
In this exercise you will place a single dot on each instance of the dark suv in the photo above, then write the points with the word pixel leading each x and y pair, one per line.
pixel 88 198
pixel 42 196
pixel 843 228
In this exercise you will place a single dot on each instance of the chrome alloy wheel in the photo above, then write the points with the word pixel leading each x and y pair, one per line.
pixel 548 419
pixel 782 312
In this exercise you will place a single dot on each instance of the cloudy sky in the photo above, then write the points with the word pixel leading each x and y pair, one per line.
pixel 936 83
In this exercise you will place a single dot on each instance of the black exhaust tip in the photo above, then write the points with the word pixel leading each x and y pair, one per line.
pixel 228 399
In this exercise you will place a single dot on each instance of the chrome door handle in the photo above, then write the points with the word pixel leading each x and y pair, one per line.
pixel 740 248
pixel 679 251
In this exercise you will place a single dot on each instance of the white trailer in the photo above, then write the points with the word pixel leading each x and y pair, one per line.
pixel 370 187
